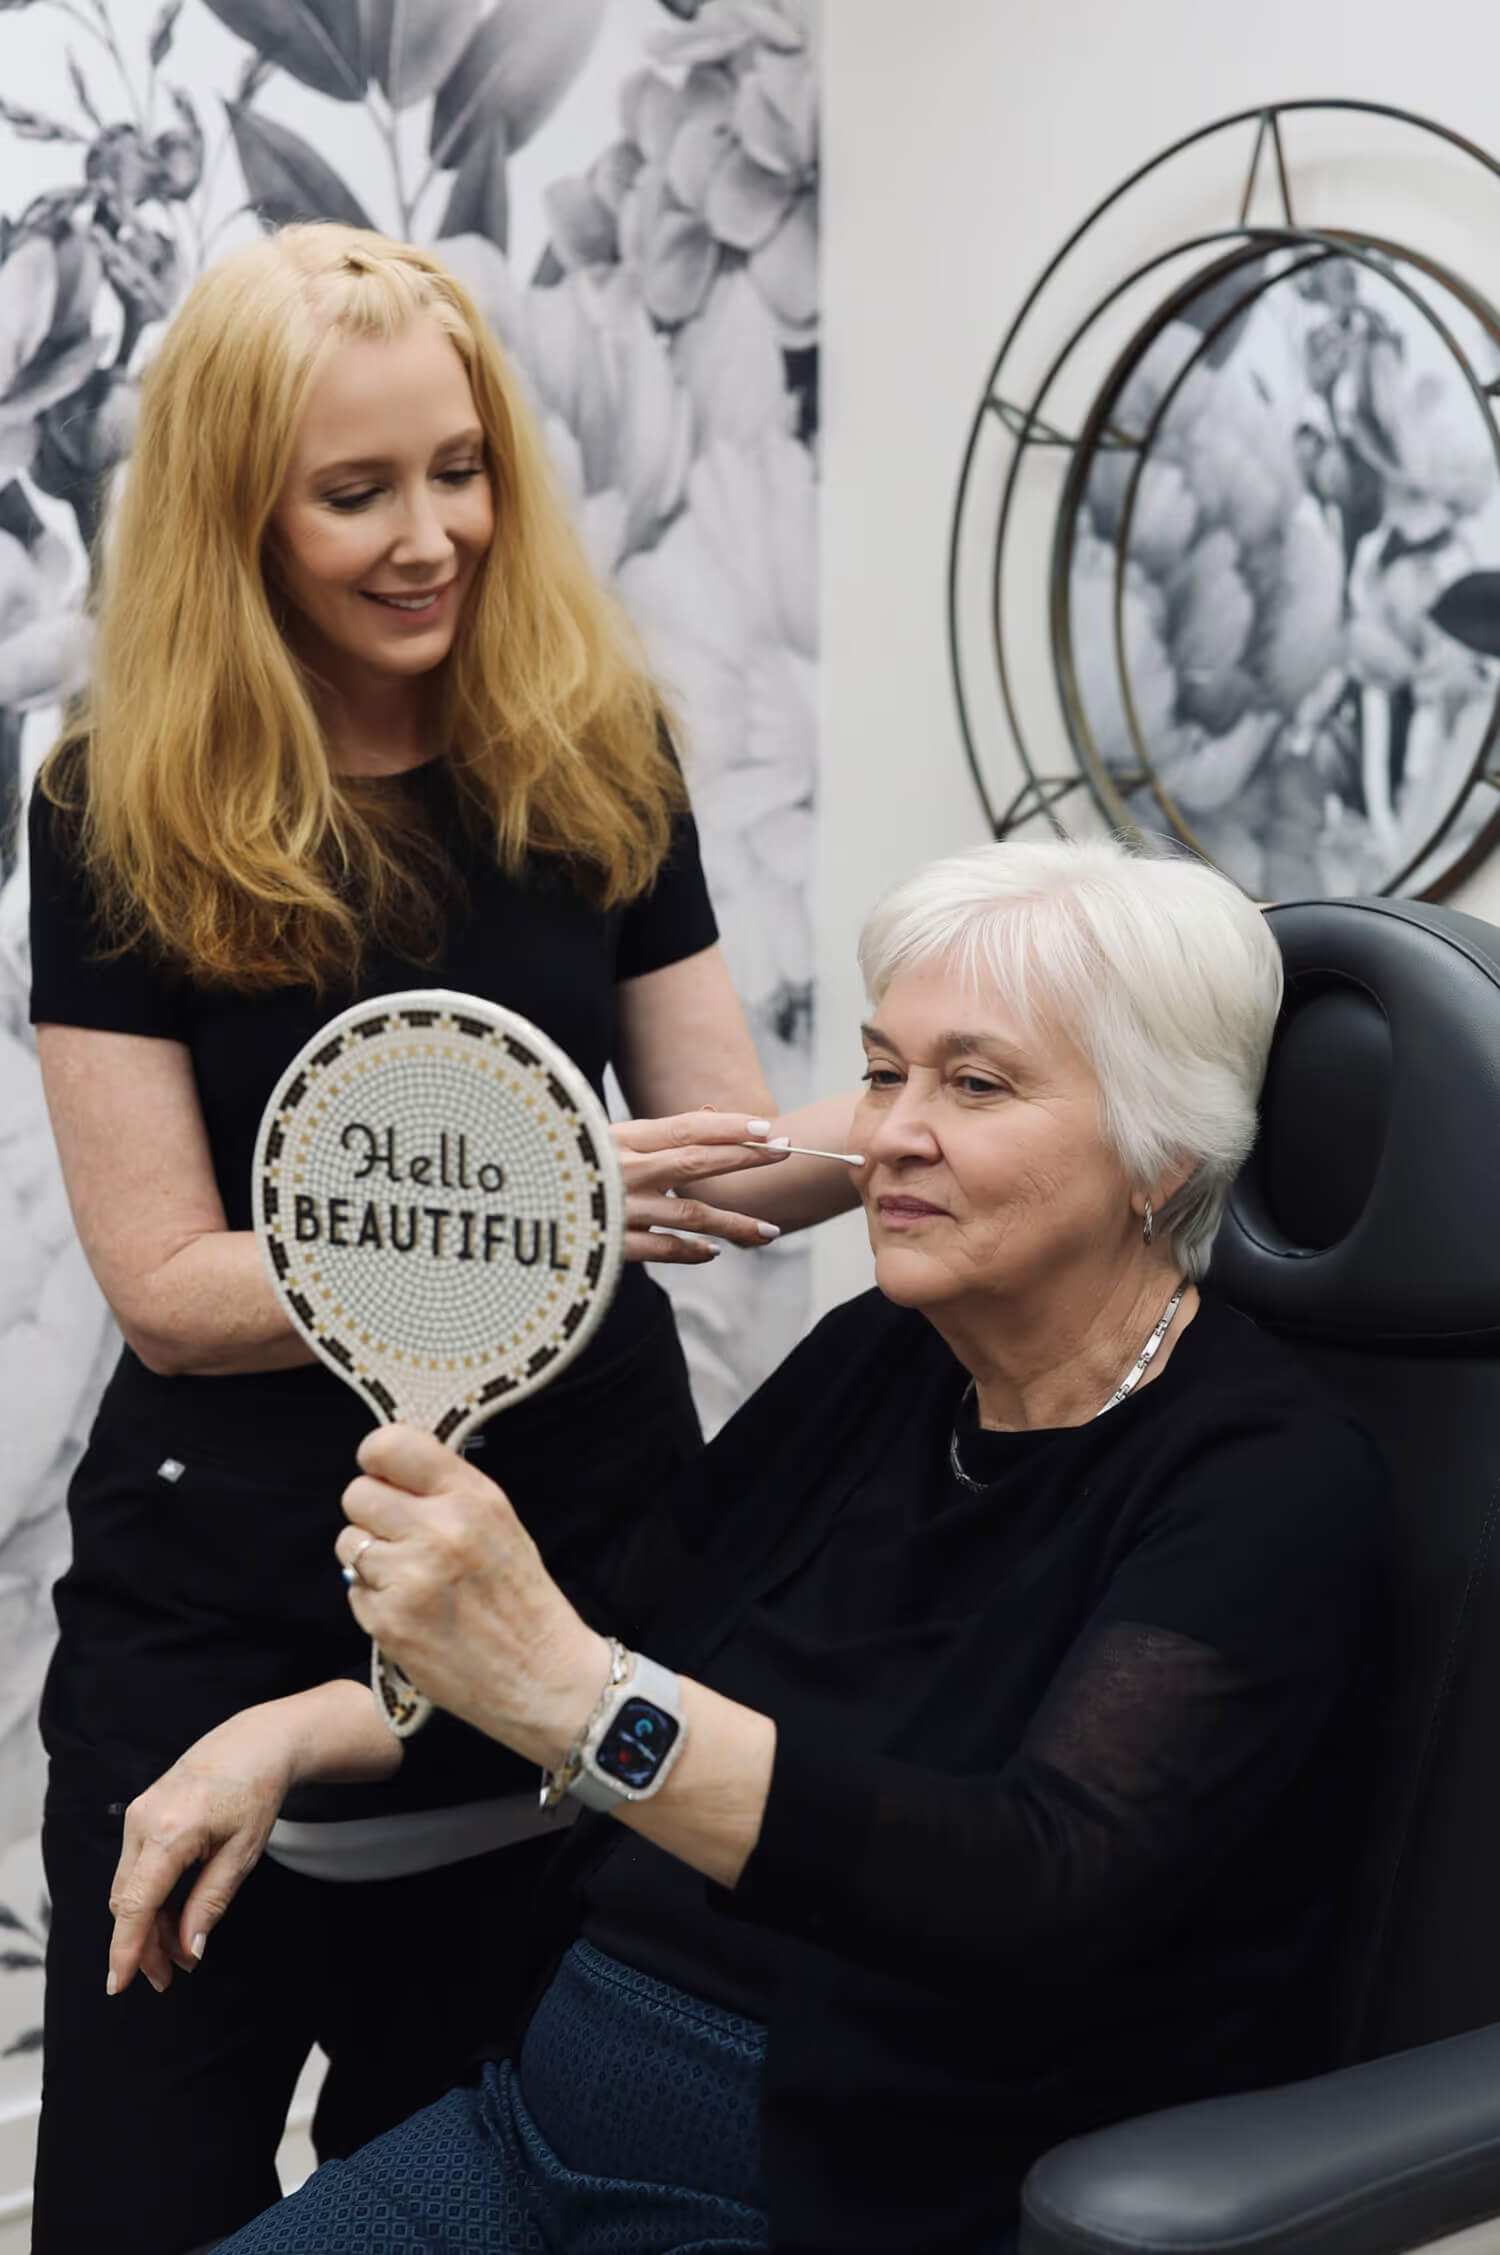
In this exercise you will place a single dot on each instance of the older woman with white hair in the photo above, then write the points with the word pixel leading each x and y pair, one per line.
pixel 980 1762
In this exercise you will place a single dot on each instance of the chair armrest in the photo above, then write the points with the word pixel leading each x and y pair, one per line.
pixel 1371 2160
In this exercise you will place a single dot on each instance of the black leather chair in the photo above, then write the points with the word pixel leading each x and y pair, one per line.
pixel 1367 1225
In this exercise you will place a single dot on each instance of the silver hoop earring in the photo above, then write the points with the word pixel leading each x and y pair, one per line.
pixel 1148 1226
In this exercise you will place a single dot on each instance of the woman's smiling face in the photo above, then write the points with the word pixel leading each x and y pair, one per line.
pixel 386 511
pixel 986 1168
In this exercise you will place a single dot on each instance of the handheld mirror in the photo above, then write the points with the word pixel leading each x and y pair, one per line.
pixel 441 1212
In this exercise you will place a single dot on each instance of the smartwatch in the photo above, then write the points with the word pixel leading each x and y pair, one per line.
pixel 633 1741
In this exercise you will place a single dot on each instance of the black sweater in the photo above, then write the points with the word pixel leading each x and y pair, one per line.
pixel 1065 1774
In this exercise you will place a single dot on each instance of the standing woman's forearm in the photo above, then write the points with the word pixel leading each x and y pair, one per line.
pixel 801 1192
pixel 190 1295
pixel 684 1044
pixel 209 1311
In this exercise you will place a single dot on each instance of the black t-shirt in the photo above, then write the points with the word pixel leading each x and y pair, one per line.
pixel 189 1596
pixel 534 941
pixel 1067 1771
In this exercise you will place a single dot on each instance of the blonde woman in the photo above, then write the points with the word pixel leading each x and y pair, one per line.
pixel 360 719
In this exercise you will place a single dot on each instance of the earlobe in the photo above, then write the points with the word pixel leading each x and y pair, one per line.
pixel 1148 1210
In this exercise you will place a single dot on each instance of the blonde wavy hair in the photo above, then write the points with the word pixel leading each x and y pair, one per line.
pixel 210 822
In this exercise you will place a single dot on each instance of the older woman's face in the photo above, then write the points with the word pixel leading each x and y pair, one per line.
pixel 985 1170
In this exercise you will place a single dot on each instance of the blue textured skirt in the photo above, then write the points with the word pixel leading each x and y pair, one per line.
pixel 630 2123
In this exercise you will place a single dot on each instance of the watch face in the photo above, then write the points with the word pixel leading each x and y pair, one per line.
pixel 636 1744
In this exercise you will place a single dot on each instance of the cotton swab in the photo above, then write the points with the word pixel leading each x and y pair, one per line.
pixel 803 1151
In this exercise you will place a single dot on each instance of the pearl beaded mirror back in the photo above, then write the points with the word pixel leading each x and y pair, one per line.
pixel 441 1213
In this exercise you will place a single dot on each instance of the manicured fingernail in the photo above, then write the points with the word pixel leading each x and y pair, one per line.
pixel 768 1229
pixel 758 1127
pixel 159 1986
pixel 714 1251
pixel 779 1143
pixel 111 1986
pixel 200 1944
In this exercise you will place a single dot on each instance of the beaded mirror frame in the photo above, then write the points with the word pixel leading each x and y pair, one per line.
pixel 441 1213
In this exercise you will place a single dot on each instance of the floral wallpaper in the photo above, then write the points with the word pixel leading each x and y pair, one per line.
pixel 632 194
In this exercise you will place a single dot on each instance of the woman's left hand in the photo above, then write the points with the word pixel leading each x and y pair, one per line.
pixel 451 1586
pixel 661 1158
pixel 215 1808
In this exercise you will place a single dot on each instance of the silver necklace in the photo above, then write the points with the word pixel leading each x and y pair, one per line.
pixel 1128 1384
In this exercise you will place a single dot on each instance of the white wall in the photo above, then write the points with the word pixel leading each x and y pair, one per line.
pixel 964 139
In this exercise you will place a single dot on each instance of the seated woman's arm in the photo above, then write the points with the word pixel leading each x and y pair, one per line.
pixel 1223 1644
pixel 446 1568
pixel 215 1808
pixel 1221 1650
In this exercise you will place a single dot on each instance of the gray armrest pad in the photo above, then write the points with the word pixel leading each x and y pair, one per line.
pixel 1372 2160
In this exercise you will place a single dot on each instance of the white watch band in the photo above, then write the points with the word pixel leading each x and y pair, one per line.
pixel 647 1680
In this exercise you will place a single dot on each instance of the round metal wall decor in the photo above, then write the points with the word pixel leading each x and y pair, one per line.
pixel 1264 463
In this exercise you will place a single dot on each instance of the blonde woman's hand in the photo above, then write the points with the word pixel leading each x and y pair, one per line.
pixel 662 1159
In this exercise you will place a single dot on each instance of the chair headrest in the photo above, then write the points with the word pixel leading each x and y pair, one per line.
pixel 1369 1211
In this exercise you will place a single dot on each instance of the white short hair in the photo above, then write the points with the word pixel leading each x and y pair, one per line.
pixel 1160 971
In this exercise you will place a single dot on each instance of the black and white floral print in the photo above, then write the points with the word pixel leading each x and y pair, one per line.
pixel 1307 615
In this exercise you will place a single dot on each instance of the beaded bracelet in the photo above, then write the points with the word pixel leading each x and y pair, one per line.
pixel 555 1783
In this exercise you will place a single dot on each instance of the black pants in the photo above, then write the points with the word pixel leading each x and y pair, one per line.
pixel 161 2115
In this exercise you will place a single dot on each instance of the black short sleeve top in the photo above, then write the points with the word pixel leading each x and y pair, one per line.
pixel 531 939
pixel 184 1602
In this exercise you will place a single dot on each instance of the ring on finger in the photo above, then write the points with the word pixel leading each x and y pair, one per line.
pixel 352 1573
